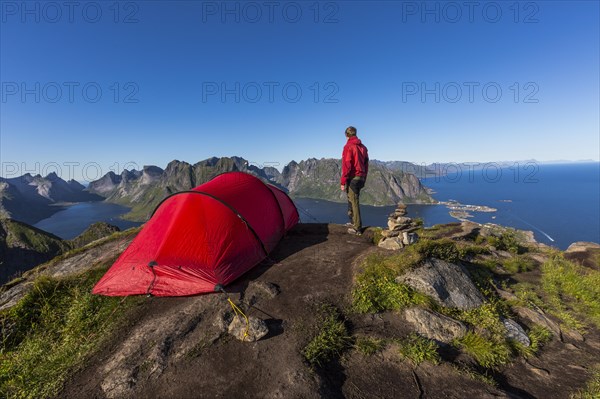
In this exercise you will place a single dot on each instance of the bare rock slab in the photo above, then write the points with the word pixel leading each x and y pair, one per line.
pixel 434 325
pixel 447 283
pixel 258 290
pixel 537 317
pixel 248 332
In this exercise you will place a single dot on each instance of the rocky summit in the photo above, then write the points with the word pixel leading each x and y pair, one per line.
pixel 465 311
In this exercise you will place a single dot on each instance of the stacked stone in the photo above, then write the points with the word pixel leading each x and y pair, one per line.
pixel 400 231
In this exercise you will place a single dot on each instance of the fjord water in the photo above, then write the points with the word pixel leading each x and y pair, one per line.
pixel 73 220
pixel 560 203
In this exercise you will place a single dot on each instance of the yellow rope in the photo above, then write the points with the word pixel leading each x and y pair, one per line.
pixel 238 311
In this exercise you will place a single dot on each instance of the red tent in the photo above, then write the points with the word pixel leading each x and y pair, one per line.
pixel 203 237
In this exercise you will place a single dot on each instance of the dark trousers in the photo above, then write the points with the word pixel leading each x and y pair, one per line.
pixel 353 190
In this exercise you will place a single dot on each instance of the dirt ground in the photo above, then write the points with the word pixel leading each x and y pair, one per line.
pixel 177 347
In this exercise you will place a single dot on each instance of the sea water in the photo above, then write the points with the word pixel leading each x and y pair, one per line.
pixel 560 203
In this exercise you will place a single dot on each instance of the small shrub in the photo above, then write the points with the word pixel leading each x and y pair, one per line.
pixel 444 249
pixel 369 346
pixel 488 352
pixel 539 336
pixel 489 264
pixel 331 339
pixel 418 349
pixel 485 317
pixel 506 241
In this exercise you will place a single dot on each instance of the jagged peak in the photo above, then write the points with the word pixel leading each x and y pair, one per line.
pixel 174 164
pixel 152 170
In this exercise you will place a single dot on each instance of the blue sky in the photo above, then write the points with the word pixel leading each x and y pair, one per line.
pixel 276 81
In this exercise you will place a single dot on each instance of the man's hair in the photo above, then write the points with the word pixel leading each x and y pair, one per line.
pixel 350 131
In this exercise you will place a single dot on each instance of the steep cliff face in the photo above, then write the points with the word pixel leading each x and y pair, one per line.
pixel 319 179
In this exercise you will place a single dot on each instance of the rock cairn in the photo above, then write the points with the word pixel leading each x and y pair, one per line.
pixel 400 231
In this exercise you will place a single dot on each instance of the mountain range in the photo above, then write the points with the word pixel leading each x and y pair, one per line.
pixel 312 178
pixel 32 198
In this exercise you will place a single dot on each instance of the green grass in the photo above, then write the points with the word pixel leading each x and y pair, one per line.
pixel 572 292
pixel 592 389
pixel 518 264
pixel 20 234
pixel 507 240
pixel 569 291
pixel 527 295
pixel 368 345
pixel 376 290
pixel 538 336
pixel 444 249
pixel 485 317
pixel 418 349
pixel 331 339
pixel 51 331
pixel 489 352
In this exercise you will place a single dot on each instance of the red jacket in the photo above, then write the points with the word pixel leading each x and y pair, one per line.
pixel 355 160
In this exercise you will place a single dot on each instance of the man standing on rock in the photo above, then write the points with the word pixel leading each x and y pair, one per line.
pixel 355 166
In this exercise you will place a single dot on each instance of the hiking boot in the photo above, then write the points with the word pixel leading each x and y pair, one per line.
pixel 349 224
pixel 355 232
